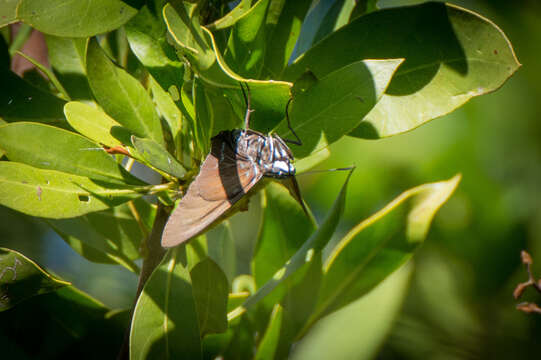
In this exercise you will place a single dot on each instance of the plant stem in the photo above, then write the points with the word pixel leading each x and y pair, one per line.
pixel 155 253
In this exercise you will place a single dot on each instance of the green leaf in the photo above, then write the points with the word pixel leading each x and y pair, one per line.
pixel 122 96
pixel 157 156
pixel 363 7
pixel 269 342
pixel 204 120
pixel 20 101
pixel 284 229
pixel 48 147
pixel 444 66
pixel 54 194
pixel 231 17
pixel 335 17
pixel 168 110
pixel 283 26
pixel 92 123
pixel 337 103
pixel 379 245
pixel 358 330
pixel 146 35
pixel 21 278
pixel 302 258
pixel 210 289
pixel 165 324
pixel 75 18
pixel 110 236
pixel 8 9
pixel 246 46
pixel 67 58
pixel 221 249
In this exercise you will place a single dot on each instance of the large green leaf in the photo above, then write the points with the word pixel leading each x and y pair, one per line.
pixel 451 55
pixel 21 278
pixel 377 246
pixel 300 262
pixel 48 147
pixel 157 156
pixel 284 229
pixel 168 110
pixel 67 58
pixel 20 101
pixel 210 289
pixel 54 194
pixel 146 36
pixel 246 47
pixel 110 236
pixel 121 95
pixel 357 330
pixel 76 18
pixel 93 123
pixel 165 323
pixel 8 9
pixel 337 103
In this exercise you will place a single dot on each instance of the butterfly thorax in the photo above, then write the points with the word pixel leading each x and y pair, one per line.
pixel 269 153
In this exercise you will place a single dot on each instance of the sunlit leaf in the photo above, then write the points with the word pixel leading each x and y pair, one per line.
pixel 57 17
pixel 8 9
pixel 54 194
pixel 21 278
pixel 165 323
pixel 231 17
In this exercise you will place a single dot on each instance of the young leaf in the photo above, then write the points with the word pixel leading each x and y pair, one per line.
pixel 20 101
pixel 56 17
pixel 49 147
pixel 302 258
pixel 444 67
pixel 379 245
pixel 21 278
pixel 337 103
pixel 93 123
pixel 210 289
pixel 121 96
pixel 54 194
pixel 165 323
pixel 157 156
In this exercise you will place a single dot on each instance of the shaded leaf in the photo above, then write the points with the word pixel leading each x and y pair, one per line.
pixel 231 17
pixel 221 249
pixel 210 289
pixel 363 7
pixel 269 342
pixel 337 103
pixel 54 194
pixel 21 278
pixel 157 156
pixel 168 110
pixel 56 17
pixel 444 66
pixel 121 95
pixel 165 323
pixel 48 147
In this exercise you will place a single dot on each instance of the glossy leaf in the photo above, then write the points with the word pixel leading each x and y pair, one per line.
pixel 247 42
pixel 20 101
pixel 54 194
pixel 21 278
pixel 92 123
pixel 231 17
pixel 146 35
pixel 165 323
pixel 444 67
pixel 337 103
pixel 121 95
pixel 110 236
pixel 67 58
pixel 284 229
pixel 210 289
pixel 48 147
pixel 377 246
pixel 358 330
pixel 56 17
pixel 157 156
pixel 267 347
pixel 301 259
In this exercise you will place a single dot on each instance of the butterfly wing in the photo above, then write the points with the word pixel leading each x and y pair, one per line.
pixel 223 179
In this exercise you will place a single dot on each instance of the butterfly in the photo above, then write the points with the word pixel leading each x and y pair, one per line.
pixel 238 160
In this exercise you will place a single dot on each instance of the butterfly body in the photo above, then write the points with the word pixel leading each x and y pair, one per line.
pixel 238 160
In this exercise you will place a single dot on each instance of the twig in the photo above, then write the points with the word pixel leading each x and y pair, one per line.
pixel 527 307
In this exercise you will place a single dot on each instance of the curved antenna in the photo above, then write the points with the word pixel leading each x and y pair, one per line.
pixel 295 142
pixel 247 102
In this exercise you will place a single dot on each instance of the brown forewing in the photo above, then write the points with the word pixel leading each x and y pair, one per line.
pixel 223 179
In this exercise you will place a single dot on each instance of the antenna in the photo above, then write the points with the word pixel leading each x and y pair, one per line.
pixel 295 142
pixel 247 102
pixel 327 170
